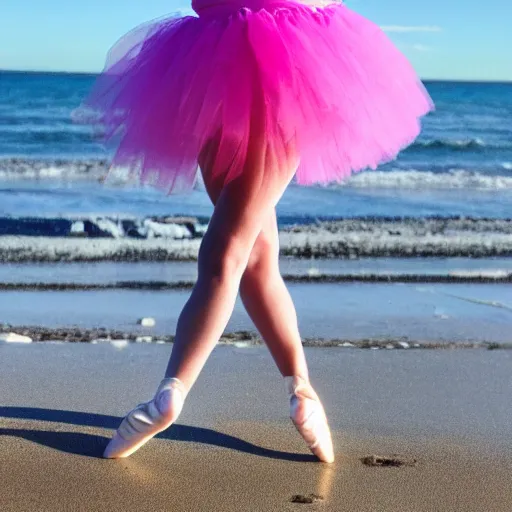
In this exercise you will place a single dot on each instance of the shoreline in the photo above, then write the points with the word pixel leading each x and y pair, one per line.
pixel 238 339
pixel 450 429
pixel 498 277
pixel 410 312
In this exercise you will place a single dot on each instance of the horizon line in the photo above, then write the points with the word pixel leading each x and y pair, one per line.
pixel 96 73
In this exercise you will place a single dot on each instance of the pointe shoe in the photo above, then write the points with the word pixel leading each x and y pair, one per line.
pixel 147 420
pixel 308 416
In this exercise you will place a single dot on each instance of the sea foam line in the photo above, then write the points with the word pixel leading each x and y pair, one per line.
pixel 319 244
pixel 21 169
pixel 241 339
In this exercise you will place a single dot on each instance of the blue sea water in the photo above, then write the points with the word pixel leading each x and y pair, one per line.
pixel 460 165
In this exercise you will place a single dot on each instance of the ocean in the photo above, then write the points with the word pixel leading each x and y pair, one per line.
pixel 461 165
pixel 440 213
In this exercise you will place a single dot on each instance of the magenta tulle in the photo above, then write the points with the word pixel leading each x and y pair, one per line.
pixel 331 81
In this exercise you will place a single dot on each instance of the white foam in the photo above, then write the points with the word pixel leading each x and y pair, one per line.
pixel 110 226
pixel 157 229
pixel 450 237
pixel 408 245
pixel 120 344
pixel 12 337
pixel 484 273
pixel 413 179
pixel 58 170
pixel 461 144
pixel 483 302
pixel 13 248
pixel 144 339
pixel 93 170
pixel 144 228
pixel 77 227
pixel 345 239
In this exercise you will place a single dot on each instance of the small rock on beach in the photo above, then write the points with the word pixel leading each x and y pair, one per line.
pixel 12 337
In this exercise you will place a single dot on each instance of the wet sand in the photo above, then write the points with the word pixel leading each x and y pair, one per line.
pixel 446 413
pixel 106 273
pixel 348 311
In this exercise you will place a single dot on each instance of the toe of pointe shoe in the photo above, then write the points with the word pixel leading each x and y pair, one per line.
pixel 115 448
pixel 324 452
pixel 308 415
pixel 319 441
pixel 147 420
pixel 120 448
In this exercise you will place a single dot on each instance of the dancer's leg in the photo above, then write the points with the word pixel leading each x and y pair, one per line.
pixel 270 305
pixel 266 297
pixel 271 308
pixel 236 222
pixel 242 207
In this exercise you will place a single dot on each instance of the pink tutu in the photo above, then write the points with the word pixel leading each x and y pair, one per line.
pixel 331 81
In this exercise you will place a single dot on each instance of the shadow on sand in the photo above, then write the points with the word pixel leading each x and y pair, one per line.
pixel 91 445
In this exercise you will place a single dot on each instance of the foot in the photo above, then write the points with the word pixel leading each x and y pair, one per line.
pixel 308 416
pixel 147 420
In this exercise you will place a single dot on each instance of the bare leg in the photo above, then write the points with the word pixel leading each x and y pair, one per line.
pixel 234 227
pixel 266 297
pixel 269 304
pixel 237 221
pixel 271 308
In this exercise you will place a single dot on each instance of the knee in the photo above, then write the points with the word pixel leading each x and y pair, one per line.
pixel 263 258
pixel 222 258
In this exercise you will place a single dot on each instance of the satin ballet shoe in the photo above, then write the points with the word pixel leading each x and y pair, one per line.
pixel 308 416
pixel 147 420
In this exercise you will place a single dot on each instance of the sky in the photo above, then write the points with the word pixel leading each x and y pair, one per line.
pixel 444 39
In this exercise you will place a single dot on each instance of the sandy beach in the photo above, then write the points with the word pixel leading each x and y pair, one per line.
pixel 432 417
pixel 444 414
pixel 401 280
pixel 401 275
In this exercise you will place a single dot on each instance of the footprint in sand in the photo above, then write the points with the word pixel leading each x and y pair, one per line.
pixel 394 461
pixel 306 499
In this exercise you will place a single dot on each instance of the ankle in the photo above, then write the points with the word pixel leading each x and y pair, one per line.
pixel 293 382
pixel 169 399
pixel 172 383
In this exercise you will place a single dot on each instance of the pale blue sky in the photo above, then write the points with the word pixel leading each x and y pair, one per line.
pixel 459 39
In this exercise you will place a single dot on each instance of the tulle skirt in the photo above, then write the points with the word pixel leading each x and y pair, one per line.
pixel 329 80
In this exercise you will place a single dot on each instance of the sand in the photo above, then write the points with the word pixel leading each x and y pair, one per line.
pixel 446 414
